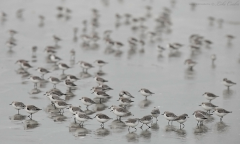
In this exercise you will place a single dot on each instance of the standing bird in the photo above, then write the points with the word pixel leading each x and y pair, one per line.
pixel 101 95
pixel 132 123
pixel 54 81
pixel 228 83
pixel 213 57
pixel 17 105
pixel 85 65
pixel 82 117
pixel 63 67
pixel 181 119
pixel 190 63
pixel 221 112
pixel 145 92
pixel 74 109
pixel 54 58
pixel 70 84
pixel 169 116
pixel 199 117
pixel 87 101
pixel 208 106
pixel 120 112
pixel 155 113
pixel 100 63
pixel 100 80
pixel 209 96
pixel 72 78
pixel 125 101
pixel 35 80
pixel 125 94
pixel 102 118
pixel 42 71
pixel 31 109
pixel 61 105
pixel 146 120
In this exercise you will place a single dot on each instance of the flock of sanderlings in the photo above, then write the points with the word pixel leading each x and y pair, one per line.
pixel 90 40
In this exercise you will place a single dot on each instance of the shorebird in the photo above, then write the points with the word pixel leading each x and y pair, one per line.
pixel 169 116
pixel 82 117
pixel 132 123
pixel 100 80
pixel 120 112
pixel 190 63
pixel 35 80
pixel 87 101
pixel 181 119
pixel 125 101
pixel 125 94
pixel 155 113
pixel 228 83
pixel 54 81
pixel 208 106
pixel 101 95
pixel 199 117
pixel 85 65
pixel 31 109
pixel 221 112
pixel 102 118
pixel 100 63
pixel 146 120
pixel 73 110
pixel 61 105
pixel 63 66
pixel 17 105
pixel 42 71
pixel 72 78
pixel 209 96
pixel 145 92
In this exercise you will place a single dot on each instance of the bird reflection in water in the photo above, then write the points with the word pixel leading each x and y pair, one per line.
pixel 170 128
pixel 181 132
pixel 54 113
pixel 144 103
pixel 17 117
pixel 132 137
pixel 201 129
pixel 34 91
pixel 227 93
pixel 102 132
pixel 155 126
pixel 84 75
pixel 63 76
pixel 189 74
pixel 118 126
pixel 100 73
pixel 146 134
pixel 30 124
pixel 221 127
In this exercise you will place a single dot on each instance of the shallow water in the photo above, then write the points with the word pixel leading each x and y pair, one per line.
pixel 176 88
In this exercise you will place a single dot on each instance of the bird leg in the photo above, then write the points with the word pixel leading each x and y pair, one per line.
pixel 18 111
pixel 75 120
pixel 87 107
pixel 148 126
pixel 168 122
pixel 141 126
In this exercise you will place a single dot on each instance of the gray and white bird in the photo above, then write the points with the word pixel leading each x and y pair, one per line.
pixel 209 96
pixel 132 123
pixel 56 92
pixel 53 97
pixel 61 105
pixel 205 114
pixel 54 58
pixel 125 94
pixel 72 78
pixel 190 63
pixel 81 117
pixel 74 109
pixel 31 109
pixel 85 65
pixel 54 81
pixel 228 83
pixel 100 80
pixel 120 112
pixel 42 71
pixel 101 95
pixel 181 119
pixel 70 84
pixel 169 116
pixel 155 112
pixel 35 80
pixel 199 117
pixel 146 120
pixel 17 105
pixel 208 106
pixel 87 101
pixel 221 112
pixel 63 67
pixel 102 118
pixel 125 101
pixel 145 92
pixel 100 63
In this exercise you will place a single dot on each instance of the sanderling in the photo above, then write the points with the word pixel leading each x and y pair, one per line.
pixel 61 105
pixel 74 109
pixel 125 94
pixel 54 81
pixel 120 112
pixel 105 87
pixel 87 101
pixel 199 117
pixel 181 119
pixel 101 94
pixel 205 114
pixel 85 65
pixel 160 49
pixel 98 88
pixel 208 106
pixel 169 116
pixel 100 63
pixel 100 80
pixel 209 96
pixel 146 120
pixel 35 80
pixel 56 92
pixel 155 112
pixel 125 101
pixel 18 105
pixel 31 109
pixel 42 71
pixel 24 64
pixel 221 112
pixel 63 67
pixel 190 63
pixel 213 57
pixel 53 97
pixel 72 78
pixel 21 61
pixel 102 118
pixel 228 83
pixel 69 84
pixel 145 92
pixel 54 58
pixel 133 122
pixel 82 117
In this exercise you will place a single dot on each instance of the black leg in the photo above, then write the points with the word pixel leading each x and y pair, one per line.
pixel 87 107
pixel 148 126
pixel 168 122
pixel 100 100
pixel 18 111
pixel 128 129
pixel 75 120
pixel 141 126
pixel 183 125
